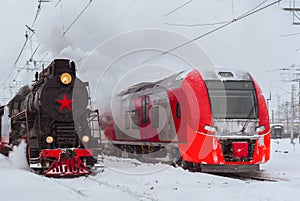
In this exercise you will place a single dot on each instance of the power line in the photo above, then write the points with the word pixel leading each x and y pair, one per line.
pixel 125 11
pixel 70 26
pixel 57 3
pixel 252 11
pixel 232 8
pixel 257 6
pixel 22 49
pixel 61 14
pixel 216 23
pixel 197 25
pixel 37 13
pixel 291 34
pixel 176 9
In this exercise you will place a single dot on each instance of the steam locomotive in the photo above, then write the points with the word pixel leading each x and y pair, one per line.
pixel 54 118
pixel 215 121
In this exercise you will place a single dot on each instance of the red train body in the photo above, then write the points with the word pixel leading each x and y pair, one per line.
pixel 217 120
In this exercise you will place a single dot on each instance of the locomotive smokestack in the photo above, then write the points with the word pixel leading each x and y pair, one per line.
pixel 72 64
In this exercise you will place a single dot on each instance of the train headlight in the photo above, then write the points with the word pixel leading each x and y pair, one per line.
pixel 49 139
pixel 210 128
pixel 260 129
pixel 66 78
pixel 85 138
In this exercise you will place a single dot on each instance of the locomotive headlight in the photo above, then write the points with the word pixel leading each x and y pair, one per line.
pixel 49 139
pixel 210 128
pixel 260 129
pixel 66 78
pixel 85 138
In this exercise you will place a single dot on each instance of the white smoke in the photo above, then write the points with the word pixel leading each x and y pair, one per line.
pixel 254 44
pixel 18 156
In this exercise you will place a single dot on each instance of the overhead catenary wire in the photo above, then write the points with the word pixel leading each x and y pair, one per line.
pixel 59 1
pixel 284 68
pixel 28 36
pixel 125 11
pixel 37 13
pixel 197 25
pixel 232 8
pixel 75 20
pixel 22 49
pixel 291 34
pixel 61 14
pixel 216 23
pixel 178 8
pixel 253 11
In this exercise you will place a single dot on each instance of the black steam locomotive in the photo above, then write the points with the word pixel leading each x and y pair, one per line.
pixel 54 118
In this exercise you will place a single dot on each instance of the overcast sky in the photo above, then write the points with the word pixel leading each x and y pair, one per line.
pixel 254 43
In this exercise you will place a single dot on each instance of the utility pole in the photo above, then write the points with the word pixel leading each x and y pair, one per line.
pixel 278 109
pixel 299 112
pixel 292 115
pixel 287 116
pixel 294 8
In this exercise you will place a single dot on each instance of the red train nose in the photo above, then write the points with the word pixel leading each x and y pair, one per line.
pixel 240 149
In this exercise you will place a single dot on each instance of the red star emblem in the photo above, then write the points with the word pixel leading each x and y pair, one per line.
pixel 65 103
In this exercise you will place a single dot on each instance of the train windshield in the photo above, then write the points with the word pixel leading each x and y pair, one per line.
pixel 232 99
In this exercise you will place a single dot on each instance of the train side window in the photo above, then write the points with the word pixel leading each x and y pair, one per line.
pixel 145 110
pixel 155 117
pixel 178 111
pixel 127 119
pixel 135 118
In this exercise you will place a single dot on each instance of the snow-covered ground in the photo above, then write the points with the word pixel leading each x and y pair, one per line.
pixel 127 179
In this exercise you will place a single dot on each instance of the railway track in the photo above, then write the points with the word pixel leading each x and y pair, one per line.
pixel 125 189
pixel 255 175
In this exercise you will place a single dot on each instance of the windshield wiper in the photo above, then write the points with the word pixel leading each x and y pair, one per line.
pixel 248 119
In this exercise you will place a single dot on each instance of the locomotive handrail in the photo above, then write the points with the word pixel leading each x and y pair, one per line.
pixel 19 114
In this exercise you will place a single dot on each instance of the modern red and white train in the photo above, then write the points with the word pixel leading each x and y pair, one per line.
pixel 216 120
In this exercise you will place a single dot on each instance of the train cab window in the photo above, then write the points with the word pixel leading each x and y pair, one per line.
pixel 178 111
pixel 145 110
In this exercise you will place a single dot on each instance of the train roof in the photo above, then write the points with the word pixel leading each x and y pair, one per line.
pixel 173 81
pixel 225 74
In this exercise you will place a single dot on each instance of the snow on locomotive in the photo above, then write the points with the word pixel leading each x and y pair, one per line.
pixel 53 118
pixel 216 120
